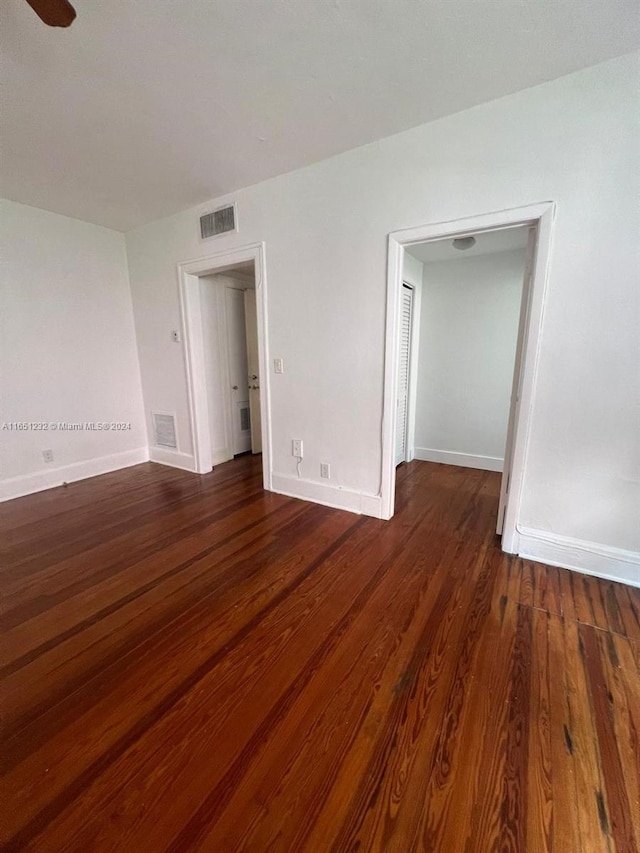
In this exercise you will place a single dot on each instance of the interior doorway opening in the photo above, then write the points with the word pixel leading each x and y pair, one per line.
pixel 457 351
pixel 464 312
pixel 230 340
pixel 223 302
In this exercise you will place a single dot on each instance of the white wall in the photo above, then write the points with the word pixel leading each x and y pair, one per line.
pixel 468 337
pixel 68 350
pixel 325 227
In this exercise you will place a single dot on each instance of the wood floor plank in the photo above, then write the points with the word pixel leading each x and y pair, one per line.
pixel 540 810
pixel 612 607
pixel 514 799
pixel 623 682
pixel 566 813
pixel 629 607
pixel 190 663
pixel 547 595
pixel 530 573
pixel 567 580
pixel 615 782
pixel 591 793
pixel 590 608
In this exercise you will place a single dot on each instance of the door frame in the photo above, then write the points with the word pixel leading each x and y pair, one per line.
pixel 252 324
pixel 189 273
pixel 541 215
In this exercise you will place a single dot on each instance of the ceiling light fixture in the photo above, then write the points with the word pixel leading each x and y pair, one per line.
pixel 463 243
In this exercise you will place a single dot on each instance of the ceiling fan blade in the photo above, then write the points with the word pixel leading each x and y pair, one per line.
pixel 55 13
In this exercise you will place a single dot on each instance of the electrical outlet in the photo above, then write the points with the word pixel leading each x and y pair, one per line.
pixel 325 470
pixel 47 455
pixel 278 365
pixel 296 448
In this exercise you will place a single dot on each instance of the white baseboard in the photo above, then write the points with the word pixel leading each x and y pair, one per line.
pixel 172 458
pixel 333 496
pixel 28 484
pixel 466 460
pixel 590 558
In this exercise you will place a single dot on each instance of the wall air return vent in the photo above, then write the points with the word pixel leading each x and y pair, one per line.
pixel 245 418
pixel 164 428
pixel 220 221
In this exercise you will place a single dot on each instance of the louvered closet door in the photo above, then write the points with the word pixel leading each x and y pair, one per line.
pixel 402 401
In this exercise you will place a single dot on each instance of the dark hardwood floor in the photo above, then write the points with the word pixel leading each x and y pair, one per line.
pixel 190 663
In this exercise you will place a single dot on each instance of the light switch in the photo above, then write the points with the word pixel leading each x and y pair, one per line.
pixel 278 365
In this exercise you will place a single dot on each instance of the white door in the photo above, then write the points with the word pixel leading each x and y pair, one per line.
pixel 214 341
pixel 253 369
pixel 237 355
pixel 402 396
pixel 515 386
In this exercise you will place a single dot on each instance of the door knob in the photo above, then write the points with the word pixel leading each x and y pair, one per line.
pixel 234 387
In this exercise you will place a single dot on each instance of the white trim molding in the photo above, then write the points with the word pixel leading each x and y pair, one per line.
pixel 28 484
pixel 172 458
pixel 590 558
pixel 189 291
pixel 465 460
pixel 333 496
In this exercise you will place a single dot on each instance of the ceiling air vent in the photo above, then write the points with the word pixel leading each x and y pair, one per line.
pixel 219 221
pixel 164 427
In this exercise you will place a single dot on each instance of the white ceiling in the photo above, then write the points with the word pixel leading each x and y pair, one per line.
pixel 144 108
pixel 487 243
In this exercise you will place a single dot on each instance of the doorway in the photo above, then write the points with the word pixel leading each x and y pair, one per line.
pixel 401 369
pixel 232 368
pixel 223 302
